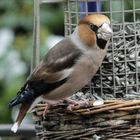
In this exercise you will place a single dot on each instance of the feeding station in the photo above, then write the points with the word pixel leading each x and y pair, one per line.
pixel 117 82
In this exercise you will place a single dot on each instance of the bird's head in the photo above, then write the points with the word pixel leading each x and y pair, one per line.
pixel 95 28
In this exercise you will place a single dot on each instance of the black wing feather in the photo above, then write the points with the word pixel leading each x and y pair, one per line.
pixel 33 90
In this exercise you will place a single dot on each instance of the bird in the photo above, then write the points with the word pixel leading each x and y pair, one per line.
pixel 67 67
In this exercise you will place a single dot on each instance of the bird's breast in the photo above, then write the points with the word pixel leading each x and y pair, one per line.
pixel 96 57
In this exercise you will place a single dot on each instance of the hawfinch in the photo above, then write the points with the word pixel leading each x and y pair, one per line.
pixel 68 66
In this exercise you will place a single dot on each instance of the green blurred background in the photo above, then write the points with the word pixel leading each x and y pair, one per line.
pixel 16 29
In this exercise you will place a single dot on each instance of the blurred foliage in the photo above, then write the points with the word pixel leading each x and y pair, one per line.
pixel 15 49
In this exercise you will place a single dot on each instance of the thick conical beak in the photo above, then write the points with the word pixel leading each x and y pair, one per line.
pixel 105 32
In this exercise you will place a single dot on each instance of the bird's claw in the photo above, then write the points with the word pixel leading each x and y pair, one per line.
pixel 73 104
pixel 39 109
pixel 43 109
pixel 46 110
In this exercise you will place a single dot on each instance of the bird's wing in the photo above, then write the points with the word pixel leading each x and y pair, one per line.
pixel 51 73
pixel 82 73
pixel 58 62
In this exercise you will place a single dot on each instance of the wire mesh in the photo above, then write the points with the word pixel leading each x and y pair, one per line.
pixel 119 75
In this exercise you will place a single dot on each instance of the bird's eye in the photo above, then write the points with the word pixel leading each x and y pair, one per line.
pixel 93 27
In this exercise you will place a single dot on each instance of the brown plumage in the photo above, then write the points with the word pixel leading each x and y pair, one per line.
pixel 68 66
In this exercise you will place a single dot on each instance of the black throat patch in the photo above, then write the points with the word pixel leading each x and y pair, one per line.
pixel 101 43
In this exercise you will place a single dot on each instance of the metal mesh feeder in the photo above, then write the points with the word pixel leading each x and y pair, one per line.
pixel 117 82
pixel 119 75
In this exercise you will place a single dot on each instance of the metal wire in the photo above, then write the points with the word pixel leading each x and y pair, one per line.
pixel 119 75
pixel 136 58
pixel 51 1
pixel 36 35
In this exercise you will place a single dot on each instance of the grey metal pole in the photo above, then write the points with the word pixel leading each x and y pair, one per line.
pixel 36 35
pixel 24 131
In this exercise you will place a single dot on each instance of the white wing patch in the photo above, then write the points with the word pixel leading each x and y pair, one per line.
pixel 66 73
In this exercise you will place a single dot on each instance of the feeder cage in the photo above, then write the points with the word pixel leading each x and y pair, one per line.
pixel 117 82
pixel 119 75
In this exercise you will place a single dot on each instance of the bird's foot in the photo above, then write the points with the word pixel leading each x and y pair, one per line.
pixel 39 108
pixel 42 109
pixel 46 110
pixel 77 104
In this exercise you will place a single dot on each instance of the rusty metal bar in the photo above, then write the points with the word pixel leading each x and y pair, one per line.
pixel 36 35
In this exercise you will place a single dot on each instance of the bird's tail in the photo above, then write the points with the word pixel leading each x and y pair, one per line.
pixel 23 110
pixel 23 97
pixel 15 101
